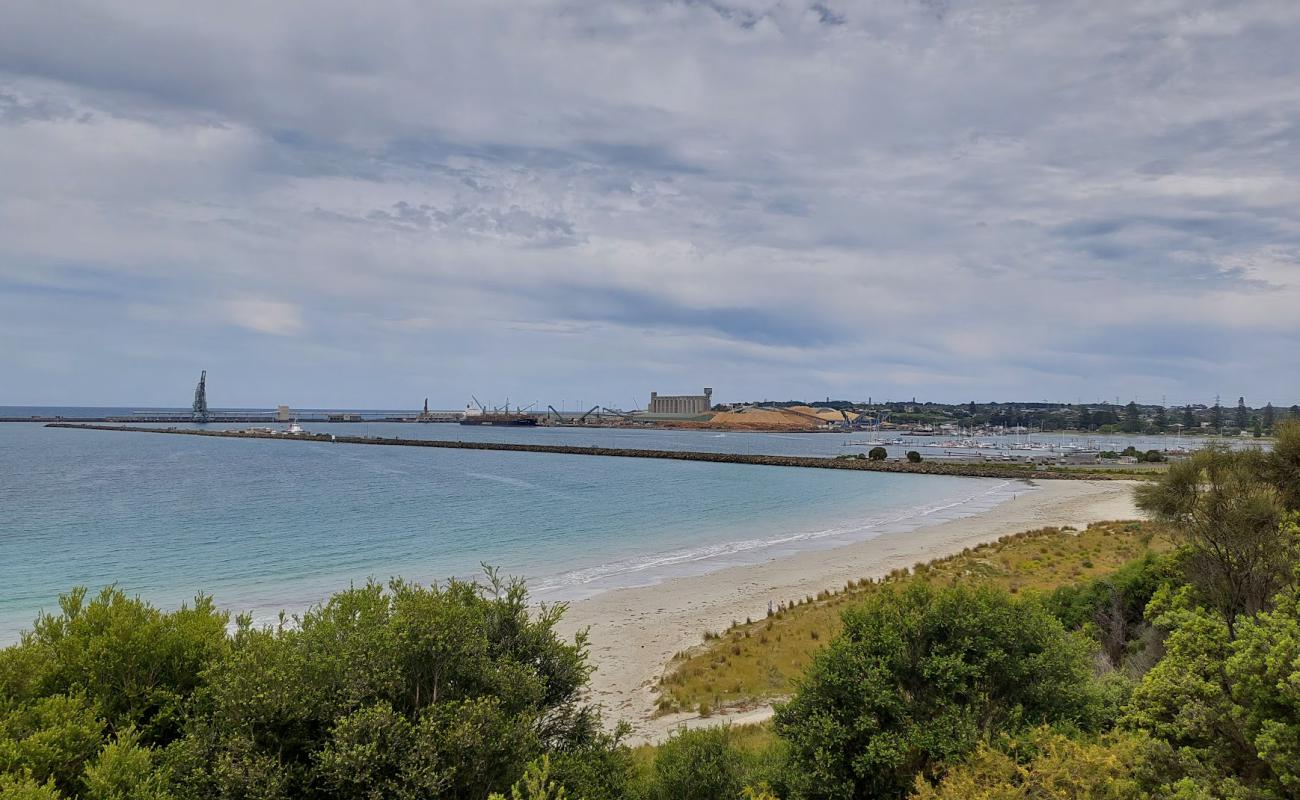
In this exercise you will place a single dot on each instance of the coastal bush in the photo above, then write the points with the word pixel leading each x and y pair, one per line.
pixel 383 691
pixel 134 665
pixel 877 454
pixel 449 689
pixel 918 678
pixel 706 764
pixel 913 457
pixel 1227 711
pixel 1046 765
pixel 1112 608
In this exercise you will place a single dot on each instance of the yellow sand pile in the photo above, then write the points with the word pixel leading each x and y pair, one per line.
pixel 826 414
pixel 760 419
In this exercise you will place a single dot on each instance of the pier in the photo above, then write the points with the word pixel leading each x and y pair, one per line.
pixel 973 470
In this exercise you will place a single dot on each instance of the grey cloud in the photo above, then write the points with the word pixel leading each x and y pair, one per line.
pixel 760 182
pixel 512 223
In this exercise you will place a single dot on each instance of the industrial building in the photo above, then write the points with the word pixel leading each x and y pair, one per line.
pixel 681 404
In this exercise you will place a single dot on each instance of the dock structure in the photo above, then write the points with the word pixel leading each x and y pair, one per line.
pixel 974 470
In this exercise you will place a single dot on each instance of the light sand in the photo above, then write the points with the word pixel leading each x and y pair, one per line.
pixel 635 632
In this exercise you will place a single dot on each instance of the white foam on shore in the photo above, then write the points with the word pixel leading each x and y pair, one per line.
pixel 653 569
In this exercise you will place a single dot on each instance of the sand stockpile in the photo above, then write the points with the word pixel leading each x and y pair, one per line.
pixel 824 414
pixel 764 419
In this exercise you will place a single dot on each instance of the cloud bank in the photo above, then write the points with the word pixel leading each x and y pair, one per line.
pixel 333 204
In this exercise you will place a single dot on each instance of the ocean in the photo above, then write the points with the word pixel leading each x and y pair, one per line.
pixel 266 525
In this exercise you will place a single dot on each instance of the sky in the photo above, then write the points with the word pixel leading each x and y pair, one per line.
pixel 360 205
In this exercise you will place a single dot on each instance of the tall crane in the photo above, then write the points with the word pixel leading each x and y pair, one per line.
pixel 583 418
pixel 200 408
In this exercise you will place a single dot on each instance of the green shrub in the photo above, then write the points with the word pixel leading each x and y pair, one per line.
pixel 702 764
pixel 918 678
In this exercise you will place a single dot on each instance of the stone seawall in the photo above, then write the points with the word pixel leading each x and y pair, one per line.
pixel 973 470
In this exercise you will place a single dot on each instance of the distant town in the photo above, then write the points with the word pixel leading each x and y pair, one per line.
pixel 698 411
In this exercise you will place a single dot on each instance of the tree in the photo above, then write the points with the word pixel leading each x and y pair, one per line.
pixel 1264 678
pixel 913 457
pixel 1295 412
pixel 1258 430
pixel 1269 417
pixel 1216 417
pixel 1161 420
pixel 1189 418
pixel 1228 515
pixel 918 678
pixel 1283 463
pixel 877 454
pixel 1243 416
pixel 1132 418
pixel 1085 418
pixel 1185 701
pixel 1226 713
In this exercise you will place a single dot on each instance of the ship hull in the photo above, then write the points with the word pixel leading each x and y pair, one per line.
pixel 507 420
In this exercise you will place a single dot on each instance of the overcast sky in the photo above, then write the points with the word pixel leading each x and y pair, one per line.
pixel 362 204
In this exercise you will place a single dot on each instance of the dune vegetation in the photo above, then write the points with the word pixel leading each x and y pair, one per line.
pixel 758 660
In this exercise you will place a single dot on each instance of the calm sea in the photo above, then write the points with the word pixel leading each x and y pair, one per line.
pixel 266 525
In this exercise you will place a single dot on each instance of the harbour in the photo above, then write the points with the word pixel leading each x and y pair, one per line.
pixel 953 468
pixel 265 525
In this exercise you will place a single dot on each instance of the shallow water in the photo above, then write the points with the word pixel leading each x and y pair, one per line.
pixel 265 525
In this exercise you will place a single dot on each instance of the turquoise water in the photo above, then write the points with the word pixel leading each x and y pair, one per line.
pixel 266 525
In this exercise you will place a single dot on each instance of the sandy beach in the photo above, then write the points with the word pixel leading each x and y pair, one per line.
pixel 635 632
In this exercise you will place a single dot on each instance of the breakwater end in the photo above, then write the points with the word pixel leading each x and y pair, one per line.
pixel 972 470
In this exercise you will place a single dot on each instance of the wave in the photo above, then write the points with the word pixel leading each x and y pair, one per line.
pixel 655 568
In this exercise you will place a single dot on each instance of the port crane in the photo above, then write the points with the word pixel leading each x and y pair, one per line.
pixel 199 411
pixel 583 418
pixel 558 416
pixel 616 413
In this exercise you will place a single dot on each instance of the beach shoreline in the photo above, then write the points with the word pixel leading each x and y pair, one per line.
pixel 635 632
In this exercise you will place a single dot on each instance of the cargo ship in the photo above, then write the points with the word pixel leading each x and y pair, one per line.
pixel 479 415
pixel 498 418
